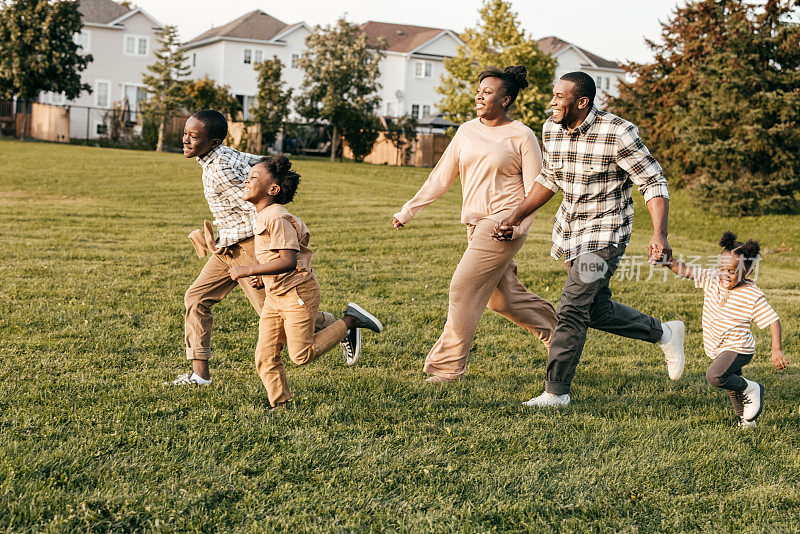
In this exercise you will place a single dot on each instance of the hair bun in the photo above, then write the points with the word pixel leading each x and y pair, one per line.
pixel 520 75
pixel 282 164
pixel 728 241
pixel 750 250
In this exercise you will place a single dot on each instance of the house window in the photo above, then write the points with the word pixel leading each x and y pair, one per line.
pixel 599 82
pixel 100 128
pixel 426 111
pixel 56 99
pixel 194 60
pixel 133 95
pixel 258 56
pixel 295 58
pixel 390 109
pixel 246 101
pixel 82 39
pixel 102 96
pixel 135 45
pixel 248 56
pixel 415 110
pixel 423 69
pixel 608 82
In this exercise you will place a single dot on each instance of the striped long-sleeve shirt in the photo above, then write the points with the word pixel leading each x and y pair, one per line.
pixel 727 314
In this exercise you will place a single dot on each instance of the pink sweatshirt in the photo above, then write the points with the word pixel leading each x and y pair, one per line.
pixel 497 165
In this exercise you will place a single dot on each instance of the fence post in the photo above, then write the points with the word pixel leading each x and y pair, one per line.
pixel 88 117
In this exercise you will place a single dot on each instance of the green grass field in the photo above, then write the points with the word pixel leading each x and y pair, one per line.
pixel 94 269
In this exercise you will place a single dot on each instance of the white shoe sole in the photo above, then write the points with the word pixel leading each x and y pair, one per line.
pixel 678 337
pixel 352 361
pixel 366 314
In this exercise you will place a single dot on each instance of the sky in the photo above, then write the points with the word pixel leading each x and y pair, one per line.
pixel 613 29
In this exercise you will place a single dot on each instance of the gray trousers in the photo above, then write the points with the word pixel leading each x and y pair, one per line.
pixel 586 302
pixel 725 372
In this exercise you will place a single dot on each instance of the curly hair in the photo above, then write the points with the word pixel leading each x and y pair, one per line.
pixel 748 251
pixel 513 79
pixel 214 122
pixel 281 170
pixel 583 85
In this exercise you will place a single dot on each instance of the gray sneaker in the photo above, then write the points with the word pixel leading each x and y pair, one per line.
pixel 365 319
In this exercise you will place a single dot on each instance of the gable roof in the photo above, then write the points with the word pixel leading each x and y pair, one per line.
pixel 553 45
pixel 101 11
pixel 399 37
pixel 255 25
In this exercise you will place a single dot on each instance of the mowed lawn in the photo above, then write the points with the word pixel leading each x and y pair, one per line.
pixel 95 265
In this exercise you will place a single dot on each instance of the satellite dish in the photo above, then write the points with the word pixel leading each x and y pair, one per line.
pixel 398 94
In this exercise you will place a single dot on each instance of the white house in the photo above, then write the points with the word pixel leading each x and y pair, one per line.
pixel 227 54
pixel 412 64
pixel 121 41
pixel 570 57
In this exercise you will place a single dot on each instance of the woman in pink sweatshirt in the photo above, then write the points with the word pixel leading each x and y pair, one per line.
pixel 498 160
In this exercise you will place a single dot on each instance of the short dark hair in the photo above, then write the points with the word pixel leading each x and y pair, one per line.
pixel 214 122
pixel 281 170
pixel 511 78
pixel 584 85
pixel 748 251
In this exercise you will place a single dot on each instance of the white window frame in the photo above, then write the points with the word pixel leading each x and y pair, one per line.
pixel 137 39
pixel 97 93
pixel 258 56
pixel 58 99
pixel 425 69
pixel 194 60
pixel 413 113
pixel 295 58
pixel 100 123
pixel 245 59
pixel 421 109
pixel 87 36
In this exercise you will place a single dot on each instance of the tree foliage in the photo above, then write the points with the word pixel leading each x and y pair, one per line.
pixel 401 133
pixel 497 40
pixel 361 132
pixel 341 78
pixel 720 104
pixel 203 93
pixel 166 80
pixel 38 51
pixel 272 100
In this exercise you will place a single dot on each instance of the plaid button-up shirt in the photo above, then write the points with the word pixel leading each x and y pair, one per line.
pixel 595 167
pixel 224 172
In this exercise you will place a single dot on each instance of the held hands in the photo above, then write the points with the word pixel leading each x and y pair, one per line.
pixel 658 250
pixel 503 231
pixel 397 224
pixel 256 281
pixel 779 360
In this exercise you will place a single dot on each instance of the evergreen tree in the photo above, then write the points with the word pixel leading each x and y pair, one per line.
pixel 720 104
pixel 498 40
pixel 272 100
pixel 203 93
pixel 401 132
pixel 341 78
pixel 361 131
pixel 38 52
pixel 166 81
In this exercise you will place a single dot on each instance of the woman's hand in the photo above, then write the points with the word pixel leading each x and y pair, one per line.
pixel 779 360
pixel 397 224
pixel 503 231
pixel 256 282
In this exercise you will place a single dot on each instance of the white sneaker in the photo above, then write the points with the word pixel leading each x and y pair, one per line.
pixel 746 424
pixel 189 379
pixel 673 349
pixel 752 398
pixel 547 400
pixel 351 346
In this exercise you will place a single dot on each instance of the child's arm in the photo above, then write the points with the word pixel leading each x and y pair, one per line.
pixel 778 359
pixel 680 268
pixel 285 263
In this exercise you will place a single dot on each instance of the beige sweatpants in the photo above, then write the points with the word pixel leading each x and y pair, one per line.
pixel 291 319
pixel 485 277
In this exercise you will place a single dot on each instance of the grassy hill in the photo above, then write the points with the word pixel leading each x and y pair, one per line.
pixel 95 265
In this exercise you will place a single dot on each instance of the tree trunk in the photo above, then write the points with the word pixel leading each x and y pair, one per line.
pixel 25 113
pixel 334 142
pixel 161 128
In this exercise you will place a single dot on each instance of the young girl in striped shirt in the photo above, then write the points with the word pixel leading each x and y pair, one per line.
pixel 730 303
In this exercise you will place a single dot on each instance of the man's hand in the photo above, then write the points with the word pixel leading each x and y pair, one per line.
pixel 779 360
pixel 256 281
pixel 503 231
pixel 397 224
pixel 658 250
pixel 238 271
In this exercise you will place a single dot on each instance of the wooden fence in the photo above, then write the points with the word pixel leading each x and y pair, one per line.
pixel 424 151
pixel 46 123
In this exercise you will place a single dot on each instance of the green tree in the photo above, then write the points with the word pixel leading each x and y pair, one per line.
pixel 272 100
pixel 341 77
pixel 401 132
pixel 721 105
pixel 38 52
pixel 497 40
pixel 166 81
pixel 203 93
pixel 361 130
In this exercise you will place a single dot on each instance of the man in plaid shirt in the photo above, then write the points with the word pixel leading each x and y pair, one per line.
pixel 594 158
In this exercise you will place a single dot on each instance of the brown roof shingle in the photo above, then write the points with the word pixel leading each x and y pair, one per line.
pixel 254 25
pixel 399 37
pixel 552 44
pixel 101 11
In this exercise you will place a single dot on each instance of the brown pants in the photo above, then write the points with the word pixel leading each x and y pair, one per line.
pixel 290 319
pixel 485 277
pixel 211 286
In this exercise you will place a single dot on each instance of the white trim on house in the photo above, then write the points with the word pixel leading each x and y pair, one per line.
pixel 218 38
pixel 104 26
pixel 88 34
pixel 291 29
pixel 591 63
pixel 134 12
pixel 136 45
pixel 97 94
pixel 429 41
